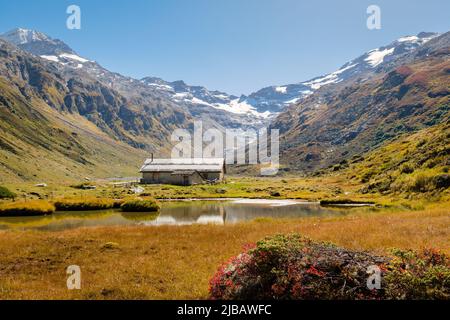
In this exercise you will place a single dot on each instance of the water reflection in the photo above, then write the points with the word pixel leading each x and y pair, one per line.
pixel 174 213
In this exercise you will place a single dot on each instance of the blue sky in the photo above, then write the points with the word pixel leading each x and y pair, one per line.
pixel 237 46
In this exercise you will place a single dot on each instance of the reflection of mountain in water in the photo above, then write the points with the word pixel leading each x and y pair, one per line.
pixel 229 212
pixel 239 212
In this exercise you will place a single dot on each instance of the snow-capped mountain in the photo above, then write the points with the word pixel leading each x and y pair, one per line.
pixel 21 36
pixel 197 95
pixel 226 110
pixel 42 45
pixel 266 103
pixel 273 99
pixel 216 109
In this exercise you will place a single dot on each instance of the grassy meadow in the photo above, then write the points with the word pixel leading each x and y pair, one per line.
pixel 177 262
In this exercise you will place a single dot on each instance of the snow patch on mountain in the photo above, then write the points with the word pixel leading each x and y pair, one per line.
pixel 73 57
pixel 50 58
pixel 161 86
pixel 421 38
pixel 281 89
pixel 67 59
pixel 330 78
pixel 241 107
pixel 377 56
pixel 408 39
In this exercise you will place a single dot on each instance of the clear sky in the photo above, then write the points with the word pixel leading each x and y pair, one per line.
pixel 237 46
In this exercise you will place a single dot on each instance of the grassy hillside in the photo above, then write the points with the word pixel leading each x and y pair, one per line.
pixel 413 166
pixel 41 144
pixel 57 128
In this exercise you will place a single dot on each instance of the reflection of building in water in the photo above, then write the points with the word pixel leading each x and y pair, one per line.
pixel 214 219
pixel 191 212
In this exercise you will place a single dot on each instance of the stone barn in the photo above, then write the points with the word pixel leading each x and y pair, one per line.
pixel 183 171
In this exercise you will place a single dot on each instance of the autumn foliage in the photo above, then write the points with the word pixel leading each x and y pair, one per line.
pixel 294 267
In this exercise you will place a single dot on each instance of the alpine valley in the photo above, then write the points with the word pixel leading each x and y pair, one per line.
pixel 361 197
pixel 64 116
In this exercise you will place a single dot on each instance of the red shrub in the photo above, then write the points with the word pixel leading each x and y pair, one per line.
pixel 294 267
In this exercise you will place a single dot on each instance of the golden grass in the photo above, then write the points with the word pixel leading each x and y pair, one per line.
pixel 177 262
pixel 26 208
pixel 88 203
pixel 140 205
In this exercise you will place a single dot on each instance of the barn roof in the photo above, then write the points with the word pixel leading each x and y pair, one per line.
pixel 183 164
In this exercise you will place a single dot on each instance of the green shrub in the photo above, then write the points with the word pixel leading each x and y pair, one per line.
pixel 424 183
pixel 140 205
pixel 367 175
pixel 383 186
pixel 407 168
pixel 221 191
pixel 421 143
pixel 81 204
pixel 295 267
pixel 275 194
pixel 28 208
pixel 420 183
pixel 413 275
pixel 5 193
pixel 441 181
pixel 431 163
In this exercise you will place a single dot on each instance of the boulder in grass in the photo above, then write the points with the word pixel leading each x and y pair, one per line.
pixel 41 185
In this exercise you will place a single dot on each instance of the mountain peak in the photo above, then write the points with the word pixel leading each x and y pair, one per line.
pixel 420 38
pixel 424 34
pixel 20 36
pixel 36 42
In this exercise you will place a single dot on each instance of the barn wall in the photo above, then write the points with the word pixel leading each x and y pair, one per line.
pixel 213 175
pixel 168 178
pixel 161 177
pixel 195 179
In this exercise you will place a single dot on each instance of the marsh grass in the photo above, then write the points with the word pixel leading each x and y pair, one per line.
pixel 85 204
pixel 26 208
pixel 140 205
